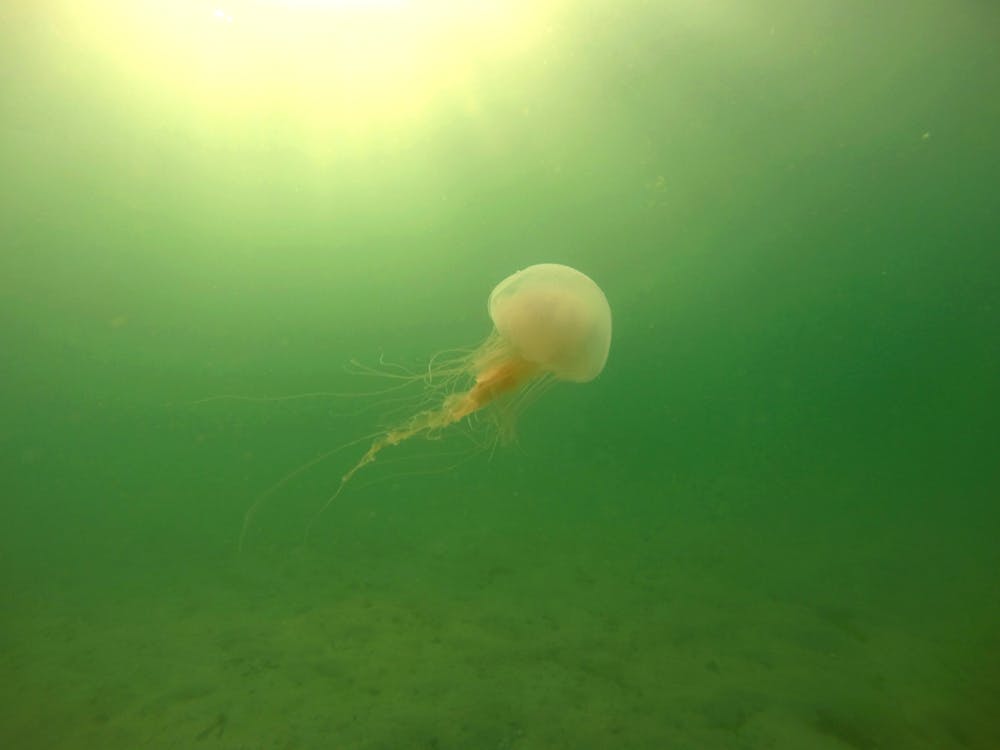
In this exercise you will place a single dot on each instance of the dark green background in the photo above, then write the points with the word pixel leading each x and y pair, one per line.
pixel 771 522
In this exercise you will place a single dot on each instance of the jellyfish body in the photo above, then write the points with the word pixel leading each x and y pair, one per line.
pixel 556 318
pixel 549 320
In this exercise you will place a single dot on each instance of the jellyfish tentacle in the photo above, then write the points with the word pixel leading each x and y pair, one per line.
pixel 490 385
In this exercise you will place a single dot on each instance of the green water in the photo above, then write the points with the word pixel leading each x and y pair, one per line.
pixel 770 523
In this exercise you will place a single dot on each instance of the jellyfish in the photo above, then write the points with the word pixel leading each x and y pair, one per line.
pixel 550 322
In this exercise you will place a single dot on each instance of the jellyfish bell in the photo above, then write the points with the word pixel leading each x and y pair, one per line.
pixel 555 317
pixel 549 320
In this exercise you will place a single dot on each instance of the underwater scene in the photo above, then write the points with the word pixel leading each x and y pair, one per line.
pixel 549 375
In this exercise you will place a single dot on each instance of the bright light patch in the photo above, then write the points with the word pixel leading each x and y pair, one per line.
pixel 327 68
pixel 341 4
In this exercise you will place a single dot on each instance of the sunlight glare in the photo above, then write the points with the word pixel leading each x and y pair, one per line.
pixel 329 67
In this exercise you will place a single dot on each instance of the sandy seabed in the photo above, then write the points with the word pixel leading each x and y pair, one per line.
pixel 566 640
